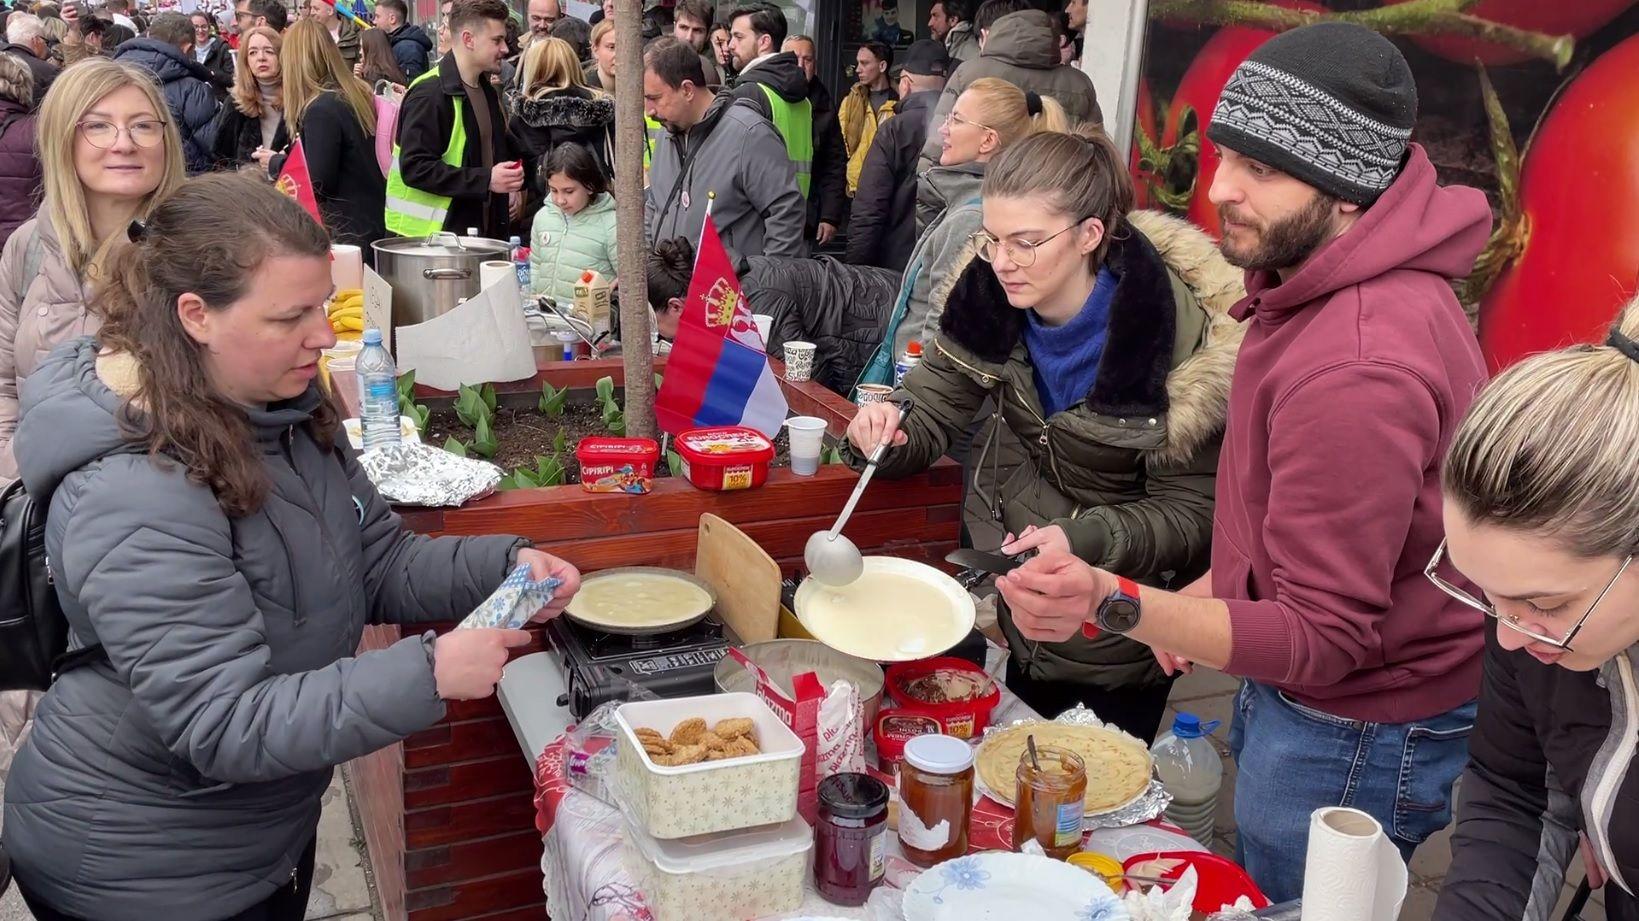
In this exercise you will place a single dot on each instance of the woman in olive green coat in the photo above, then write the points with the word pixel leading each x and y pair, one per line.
pixel 1106 349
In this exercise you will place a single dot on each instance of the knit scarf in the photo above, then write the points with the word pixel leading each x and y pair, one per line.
pixel 1066 357
pixel 268 91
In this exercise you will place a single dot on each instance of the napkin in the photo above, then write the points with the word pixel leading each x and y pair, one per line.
pixel 485 339
pixel 512 605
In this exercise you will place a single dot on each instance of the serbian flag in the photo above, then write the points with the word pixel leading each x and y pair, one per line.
pixel 295 182
pixel 717 372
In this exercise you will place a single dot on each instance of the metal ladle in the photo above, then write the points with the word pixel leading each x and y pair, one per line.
pixel 832 558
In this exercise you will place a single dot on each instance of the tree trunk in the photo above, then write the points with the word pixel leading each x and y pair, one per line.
pixel 629 141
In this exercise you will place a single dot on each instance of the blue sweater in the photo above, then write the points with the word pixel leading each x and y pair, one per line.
pixel 1066 357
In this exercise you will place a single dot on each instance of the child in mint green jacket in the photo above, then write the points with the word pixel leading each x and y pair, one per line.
pixel 575 229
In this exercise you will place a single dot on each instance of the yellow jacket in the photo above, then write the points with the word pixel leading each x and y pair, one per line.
pixel 859 123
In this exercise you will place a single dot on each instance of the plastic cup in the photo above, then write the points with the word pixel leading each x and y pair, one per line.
pixel 765 327
pixel 799 361
pixel 807 434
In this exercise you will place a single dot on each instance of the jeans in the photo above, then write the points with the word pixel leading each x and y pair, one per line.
pixel 1292 759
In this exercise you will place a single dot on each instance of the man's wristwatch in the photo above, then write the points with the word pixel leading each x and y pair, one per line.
pixel 1119 613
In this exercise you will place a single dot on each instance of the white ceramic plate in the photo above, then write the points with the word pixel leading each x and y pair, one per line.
pixel 1001 886
pixel 898 611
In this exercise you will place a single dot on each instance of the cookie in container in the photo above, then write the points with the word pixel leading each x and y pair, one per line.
pixel 752 873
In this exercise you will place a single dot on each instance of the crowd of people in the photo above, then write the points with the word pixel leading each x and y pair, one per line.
pixel 1276 450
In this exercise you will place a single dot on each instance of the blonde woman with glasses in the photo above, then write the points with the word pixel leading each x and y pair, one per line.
pixel 108 153
pixel 1542 523
pixel 1103 342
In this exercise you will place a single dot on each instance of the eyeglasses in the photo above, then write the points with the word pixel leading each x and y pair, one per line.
pixel 104 135
pixel 1511 621
pixel 1022 253
pixel 954 119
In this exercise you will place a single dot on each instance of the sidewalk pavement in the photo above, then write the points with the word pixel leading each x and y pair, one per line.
pixel 340 891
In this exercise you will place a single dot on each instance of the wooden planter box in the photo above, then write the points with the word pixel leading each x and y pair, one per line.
pixel 449 813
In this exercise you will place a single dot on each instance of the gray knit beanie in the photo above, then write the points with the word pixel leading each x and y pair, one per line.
pixel 1332 104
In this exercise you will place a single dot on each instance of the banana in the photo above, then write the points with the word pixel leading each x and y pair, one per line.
pixel 348 323
pixel 347 312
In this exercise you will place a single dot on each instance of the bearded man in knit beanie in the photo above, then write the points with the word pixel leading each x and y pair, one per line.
pixel 1360 674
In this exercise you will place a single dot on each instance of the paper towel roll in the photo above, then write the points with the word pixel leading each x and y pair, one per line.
pixel 1353 872
pixel 495 270
pixel 346 266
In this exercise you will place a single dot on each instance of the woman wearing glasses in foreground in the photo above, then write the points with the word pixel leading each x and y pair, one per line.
pixel 1542 514
pixel 1105 341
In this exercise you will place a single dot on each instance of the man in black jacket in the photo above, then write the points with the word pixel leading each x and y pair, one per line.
pixel 882 228
pixel 167 53
pixel 410 45
pixel 828 196
pixel 425 192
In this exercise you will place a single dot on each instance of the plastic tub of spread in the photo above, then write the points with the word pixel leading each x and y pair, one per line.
pixel 617 464
pixel 709 796
pixel 724 877
pixel 955 691
pixel 731 457
pixel 893 728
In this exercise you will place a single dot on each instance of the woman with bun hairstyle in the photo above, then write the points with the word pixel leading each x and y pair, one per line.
pixel 1541 492
pixel 1102 340
pixel 218 552
pixel 988 117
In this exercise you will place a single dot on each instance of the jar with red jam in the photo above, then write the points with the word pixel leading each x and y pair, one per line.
pixel 850 838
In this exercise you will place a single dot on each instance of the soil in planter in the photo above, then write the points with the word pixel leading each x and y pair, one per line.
pixel 524 434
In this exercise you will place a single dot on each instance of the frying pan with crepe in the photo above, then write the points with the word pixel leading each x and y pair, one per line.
pixel 637 595
pixel 897 611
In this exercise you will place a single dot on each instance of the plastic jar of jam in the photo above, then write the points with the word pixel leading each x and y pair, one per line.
pixel 850 838
pixel 1051 801
pixel 936 799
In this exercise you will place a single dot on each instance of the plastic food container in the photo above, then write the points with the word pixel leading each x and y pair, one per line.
pixel 731 457
pixel 407 430
pixel 617 464
pixel 712 796
pixel 893 729
pixel 727 877
pixel 965 719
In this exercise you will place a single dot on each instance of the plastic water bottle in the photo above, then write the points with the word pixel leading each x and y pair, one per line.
pixel 1192 772
pixel 378 392
pixel 520 261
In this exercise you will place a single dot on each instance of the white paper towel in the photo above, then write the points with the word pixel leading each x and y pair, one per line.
pixel 481 341
pixel 1353 872
pixel 346 266
pixel 494 270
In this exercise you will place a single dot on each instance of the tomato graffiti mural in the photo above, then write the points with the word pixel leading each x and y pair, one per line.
pixel 1577 18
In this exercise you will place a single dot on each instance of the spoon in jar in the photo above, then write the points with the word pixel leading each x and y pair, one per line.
pixel 832 558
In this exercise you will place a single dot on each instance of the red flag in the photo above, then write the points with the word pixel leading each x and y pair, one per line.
pixel 714 300
pixel 295 182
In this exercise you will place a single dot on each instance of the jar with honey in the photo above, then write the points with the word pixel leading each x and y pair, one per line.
pixel 1050 801
pixel 936 799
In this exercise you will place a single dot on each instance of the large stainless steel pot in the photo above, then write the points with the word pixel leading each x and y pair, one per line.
pixel 431 275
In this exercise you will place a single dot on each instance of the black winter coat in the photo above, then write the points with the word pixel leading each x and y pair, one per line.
pixel 347 180
pixel 411 48
pixel 828 200
pixel 571 115
pixel 44 71
pixel 219 61
pixel 842 309
pixel 238 135
pixel 425 120
pixel 1551 754
pixel 20 178
pixel 186 85
pixel 882 228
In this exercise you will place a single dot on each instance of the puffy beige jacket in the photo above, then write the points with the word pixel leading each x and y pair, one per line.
pixel 51 309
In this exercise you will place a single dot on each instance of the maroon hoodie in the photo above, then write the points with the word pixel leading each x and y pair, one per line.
pixel 1351 381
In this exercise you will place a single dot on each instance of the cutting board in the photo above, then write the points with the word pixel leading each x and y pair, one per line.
pixel 746 578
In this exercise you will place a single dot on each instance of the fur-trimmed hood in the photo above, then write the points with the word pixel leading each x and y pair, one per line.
pixel 1164 368
pixel 563 110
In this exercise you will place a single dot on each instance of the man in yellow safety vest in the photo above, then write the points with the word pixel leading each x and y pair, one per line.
pixel 453 167
pixel 774 82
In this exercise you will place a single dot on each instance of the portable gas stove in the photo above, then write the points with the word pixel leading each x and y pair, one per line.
pixel 600 667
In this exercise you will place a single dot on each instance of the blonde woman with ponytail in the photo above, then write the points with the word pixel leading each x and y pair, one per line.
pixel 1103 341
pixel 989 116
pixel 1541 493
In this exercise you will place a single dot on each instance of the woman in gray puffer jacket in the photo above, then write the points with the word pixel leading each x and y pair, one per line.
pixel 225 553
